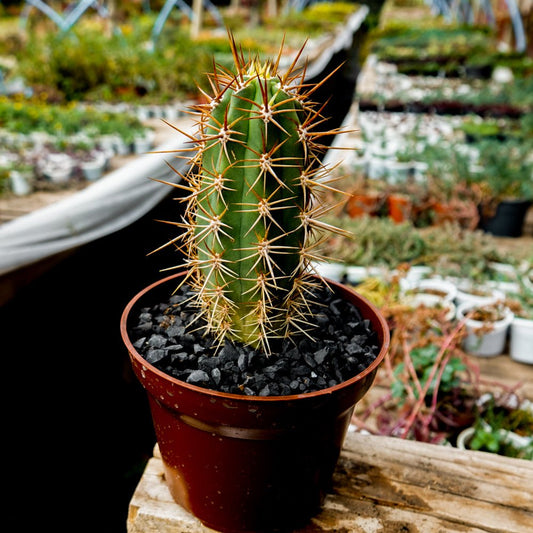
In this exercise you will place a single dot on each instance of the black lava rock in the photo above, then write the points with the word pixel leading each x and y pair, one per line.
pixel 343 345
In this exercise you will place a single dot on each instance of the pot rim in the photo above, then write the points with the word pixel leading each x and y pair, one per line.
pixel 521 321
pixel 463 309
pixel 385 342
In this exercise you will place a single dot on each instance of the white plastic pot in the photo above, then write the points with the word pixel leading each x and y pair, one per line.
pixel 109 142
pixel 477 294
pixel 21 182
pixel 528 280
pixel 431 301
pixel 421 169
pixel 464 438
pixel 144 142
pixel 58 168
pixel 521 340
pixel 416 273
pixel 398 171
pixel 484 343
pixel 333 271
pixel 121 147
pixel 141 145
pixel 447 288
pixel 376 168
pixel 358 274
pixel 94 168
pixel 171 112
pixel 143 113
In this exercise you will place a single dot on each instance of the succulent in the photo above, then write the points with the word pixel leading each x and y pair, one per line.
pixel 252 216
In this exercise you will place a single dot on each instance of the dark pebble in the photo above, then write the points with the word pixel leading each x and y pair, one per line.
pixel 198 376
pixel 320 355
pixel 154 356
pixel 216 375
pixel 157 341
pixel 139 343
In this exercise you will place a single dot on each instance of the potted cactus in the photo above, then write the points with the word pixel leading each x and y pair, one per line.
pixel 248 436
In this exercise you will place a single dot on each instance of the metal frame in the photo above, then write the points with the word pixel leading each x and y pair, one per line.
pixel 463 11
pixel 184 8
pixel 64 23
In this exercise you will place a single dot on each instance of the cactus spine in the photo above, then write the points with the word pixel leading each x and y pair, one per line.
pixel 251 218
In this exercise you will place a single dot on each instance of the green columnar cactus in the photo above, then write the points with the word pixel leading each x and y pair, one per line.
pixel 251 216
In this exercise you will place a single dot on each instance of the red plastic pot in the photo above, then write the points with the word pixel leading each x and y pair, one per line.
pixel 400 207
pixel 241 463
pixel 360 205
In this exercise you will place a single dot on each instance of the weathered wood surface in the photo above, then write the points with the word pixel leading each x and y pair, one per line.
pixel 384 484
pixel 504 370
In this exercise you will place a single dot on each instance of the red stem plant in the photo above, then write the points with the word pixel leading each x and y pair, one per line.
pixel 434 386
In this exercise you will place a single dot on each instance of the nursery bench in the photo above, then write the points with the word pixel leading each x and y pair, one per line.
pixel 384 484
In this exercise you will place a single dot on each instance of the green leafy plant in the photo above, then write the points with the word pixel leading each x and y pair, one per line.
pixel 495 421
pixel 423 360
pixel 379 242
pixel 251 217
pixel 448 248
pixel 86 64
pixel 481 129
pixel 89 63
pixel 30 115
pixel 507 171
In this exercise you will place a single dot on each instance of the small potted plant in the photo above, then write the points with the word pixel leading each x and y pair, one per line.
pixel 57 167
pixel 21 177
pixel 502 426
pixel 248 424
pixel 476 293
pixel 435 286
pixel 487 326
pixel 451 199
pixel 143 141
pixel 432 384
pixel 432 292
pixel 366 198
pixel 505 185
pixel 92 164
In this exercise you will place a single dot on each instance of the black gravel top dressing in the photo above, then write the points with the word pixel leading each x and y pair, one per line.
pixel 344 345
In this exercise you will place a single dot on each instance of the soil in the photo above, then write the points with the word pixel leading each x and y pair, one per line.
pixel 488 314
pixel 345 347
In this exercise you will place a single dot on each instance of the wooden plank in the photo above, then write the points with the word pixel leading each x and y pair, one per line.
pixel 152 509
pixel 446 486
pixel 504 370
pixel 384 484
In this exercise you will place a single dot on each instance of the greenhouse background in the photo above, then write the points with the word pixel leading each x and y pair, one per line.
pixel 432 105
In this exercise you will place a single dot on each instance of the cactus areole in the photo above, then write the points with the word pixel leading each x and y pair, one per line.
pixel 252 214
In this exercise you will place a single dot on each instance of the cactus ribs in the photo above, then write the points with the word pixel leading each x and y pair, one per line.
pixel 252 218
